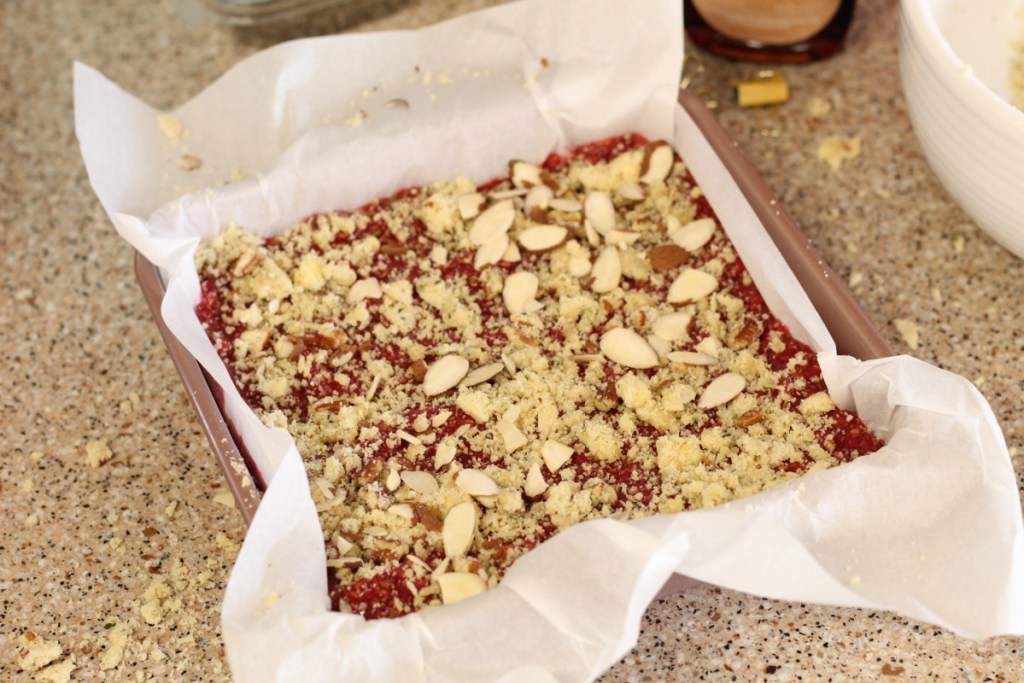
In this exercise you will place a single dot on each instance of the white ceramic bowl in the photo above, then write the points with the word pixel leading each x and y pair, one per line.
pixel 955 60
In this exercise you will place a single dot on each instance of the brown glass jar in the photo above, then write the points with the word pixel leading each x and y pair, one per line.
pixel 769 30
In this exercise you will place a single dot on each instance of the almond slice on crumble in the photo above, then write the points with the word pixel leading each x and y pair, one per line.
pixel 692 358
pixel 420 482
pixel 458 529
pixel 493 222
pixel 722 389
pixel 555 454
pixel 542 237
pixel 458 586
pixel 606 271
pixel 626 347
pixel 476 483
pixel 535 484
pixel 600 211
pixel 444 374
pixel 691 285
pixel 519 290
pixel 657 163
pixel 694 235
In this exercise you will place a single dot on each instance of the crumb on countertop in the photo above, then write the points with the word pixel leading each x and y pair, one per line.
pixel 837 150
pixel 97 453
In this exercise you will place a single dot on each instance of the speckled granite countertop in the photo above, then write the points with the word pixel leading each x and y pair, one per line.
pixel 117 572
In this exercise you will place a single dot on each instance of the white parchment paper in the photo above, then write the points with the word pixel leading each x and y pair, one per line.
pixel 930 526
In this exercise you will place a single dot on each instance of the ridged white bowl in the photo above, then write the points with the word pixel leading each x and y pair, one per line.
pixel 955 60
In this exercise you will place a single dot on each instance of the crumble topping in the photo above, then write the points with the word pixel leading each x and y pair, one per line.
pixel 467 370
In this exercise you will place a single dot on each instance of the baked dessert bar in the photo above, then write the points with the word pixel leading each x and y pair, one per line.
pixel 467 370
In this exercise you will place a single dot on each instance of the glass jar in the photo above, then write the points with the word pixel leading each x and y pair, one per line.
pixel 769 30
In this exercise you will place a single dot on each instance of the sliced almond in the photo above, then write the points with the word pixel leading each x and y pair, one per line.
pixel 514 193
pixel 512 437
pixel 443 454
pixel 565 205
pixel 492 223
pixel 621 238
pixel 600 211
pixel 524 174
pixel 476 483
pixel 510 365
pixel 555 454
pixel 657 163
pixel 631 191
pixel 692 358
pixel 710 345
pixel 459 529
pixel 344 545
pixel 364 289
pixel 406 436
pixel 579 266
pixel 487 501
pixel 539 197
pixel 660 346
pixel 444 374
pixel 626 347
pixel 519 290
pixel 512 414
pixel 607 271
pixel 665 257
pixel 511 254
pixel 469 205
pixel 393 481
pixel 542 237
pixel 691 285
pixel 672 326
pixel 490 253
pixel 482 374
pixel 420 482
pixel 722 389
pixel 457 586
pixel 418 370
pixel 402 510
pixel 535 484
pixel 694 235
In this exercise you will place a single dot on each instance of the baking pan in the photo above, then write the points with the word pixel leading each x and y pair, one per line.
pixel 853 331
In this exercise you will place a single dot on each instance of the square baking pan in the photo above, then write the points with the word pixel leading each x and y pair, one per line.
pixel 854 333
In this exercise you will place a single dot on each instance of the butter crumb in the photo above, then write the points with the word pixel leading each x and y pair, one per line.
pixel 158 599
pixel 57 673
pixel 97 453
pixel 816 404
pixel 225 543
pixel 835 151
pixel 37 652
pixel 909 330
pixel 118 636
pixel 171 127
pixel 819 107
